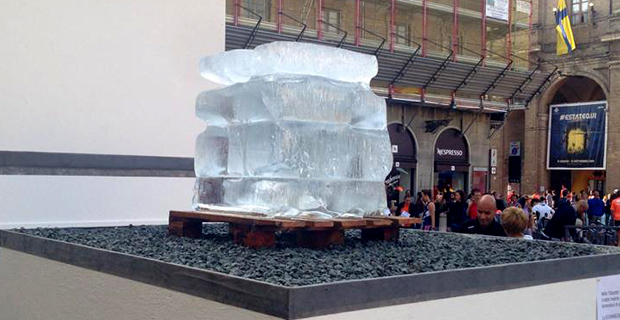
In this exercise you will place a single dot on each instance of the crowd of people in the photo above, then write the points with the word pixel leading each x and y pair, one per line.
pixel 541 216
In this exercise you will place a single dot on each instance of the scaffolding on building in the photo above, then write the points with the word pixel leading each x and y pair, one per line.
pixel 463 81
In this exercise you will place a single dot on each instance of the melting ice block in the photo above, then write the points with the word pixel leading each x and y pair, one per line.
pixel 291 136
pixel 289 58
pixel 292 97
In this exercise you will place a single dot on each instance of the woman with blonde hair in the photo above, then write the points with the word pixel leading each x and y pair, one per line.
pixel 514 222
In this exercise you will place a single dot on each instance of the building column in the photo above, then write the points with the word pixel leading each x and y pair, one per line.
pixel 542 135
pixel 512 130
pixel 426 146
pixel 530 148
pixel 613 138
pixel 535 134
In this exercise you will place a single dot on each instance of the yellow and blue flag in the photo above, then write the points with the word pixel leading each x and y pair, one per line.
pixel 565 40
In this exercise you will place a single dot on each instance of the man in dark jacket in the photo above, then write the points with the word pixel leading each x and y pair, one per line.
pixel 563 199
pixel 485 221
pixel 566 215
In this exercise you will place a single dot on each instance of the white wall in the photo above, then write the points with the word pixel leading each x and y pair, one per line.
pixel 102 77
pixel 116 77
pixel 61 201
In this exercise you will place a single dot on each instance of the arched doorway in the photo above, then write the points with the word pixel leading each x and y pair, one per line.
pixel 576 147
pixel 402 178
pixel 577 89
pixel 451 161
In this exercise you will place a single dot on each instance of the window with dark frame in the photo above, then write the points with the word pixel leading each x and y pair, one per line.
pixel 579 11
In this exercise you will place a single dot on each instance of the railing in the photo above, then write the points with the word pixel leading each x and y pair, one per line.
pixel 472 72
pixel 255 30
pixel 591 234
pixel 433 78
pixel 603 235
pixel 500 76
pixel 378 50
pixel 301 34
pixel 403 70
pixel 337 28
pixel 548 79
pixel 525 83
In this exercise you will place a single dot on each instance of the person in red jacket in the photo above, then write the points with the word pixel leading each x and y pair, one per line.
pixel 472 209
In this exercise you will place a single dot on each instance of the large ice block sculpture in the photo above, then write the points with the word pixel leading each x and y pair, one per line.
pixel 297 131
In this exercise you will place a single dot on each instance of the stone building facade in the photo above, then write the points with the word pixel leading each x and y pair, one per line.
pixel 429 172
pixel 590 73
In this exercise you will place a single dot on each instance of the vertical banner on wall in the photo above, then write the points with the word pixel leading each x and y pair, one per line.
pixel 479 179
pixel 577 136
pixel 497 9
pixel 515 149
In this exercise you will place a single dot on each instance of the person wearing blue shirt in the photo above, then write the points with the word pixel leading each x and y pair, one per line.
pixel 596 208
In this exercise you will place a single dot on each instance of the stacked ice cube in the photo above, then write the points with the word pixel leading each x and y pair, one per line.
pixel 297 131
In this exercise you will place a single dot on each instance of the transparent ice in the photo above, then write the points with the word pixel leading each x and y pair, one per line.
pixel 289 58
pixel 290 136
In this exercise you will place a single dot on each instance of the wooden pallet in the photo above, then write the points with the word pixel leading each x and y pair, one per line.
pixel 258 231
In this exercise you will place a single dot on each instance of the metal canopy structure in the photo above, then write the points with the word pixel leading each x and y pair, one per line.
pixel 410 68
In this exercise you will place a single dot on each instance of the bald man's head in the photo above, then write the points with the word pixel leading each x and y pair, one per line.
pixel 488 200
pixel 486 210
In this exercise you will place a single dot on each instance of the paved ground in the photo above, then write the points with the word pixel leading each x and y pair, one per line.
pixel 287 265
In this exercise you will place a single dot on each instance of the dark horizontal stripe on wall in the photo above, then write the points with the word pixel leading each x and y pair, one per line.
pixel 51 163
pixel 94 172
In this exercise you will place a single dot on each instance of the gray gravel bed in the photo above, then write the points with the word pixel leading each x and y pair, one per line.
pixel 287 265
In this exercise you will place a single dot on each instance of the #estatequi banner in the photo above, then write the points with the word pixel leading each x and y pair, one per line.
pixel 577 136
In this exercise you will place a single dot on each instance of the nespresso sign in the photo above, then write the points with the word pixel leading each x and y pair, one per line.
pixel 451 148
pixel 450 152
